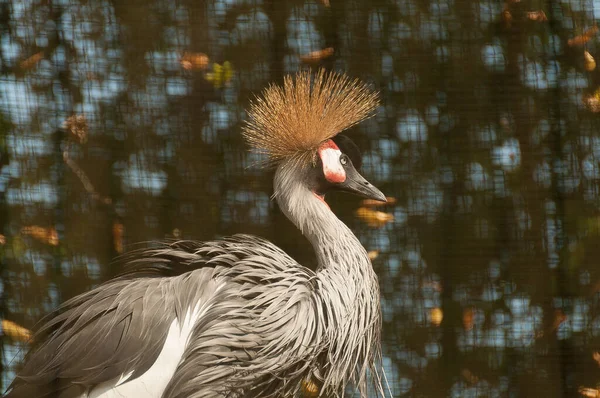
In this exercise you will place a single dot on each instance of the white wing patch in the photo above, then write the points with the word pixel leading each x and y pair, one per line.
pixel 154 381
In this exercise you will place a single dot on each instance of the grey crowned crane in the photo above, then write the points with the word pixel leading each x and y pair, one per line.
pixel 237 317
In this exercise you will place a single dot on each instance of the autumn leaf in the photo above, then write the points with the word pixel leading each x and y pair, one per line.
pixel 583 38
pixel 589 61
pixel 374 218
pixel 46 235
pixel 32 61
pixel 194 61
pixel 436 315
pixel 375 203
pixel 468 318
pixel 118 230
pixel 373 254
pixel 15 331
pixel 309 388
pixel 316 56
pixel 589 392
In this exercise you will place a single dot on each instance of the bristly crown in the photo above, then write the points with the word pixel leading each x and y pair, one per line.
pixel 290 122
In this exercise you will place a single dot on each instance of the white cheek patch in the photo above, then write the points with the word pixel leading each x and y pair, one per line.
pixel 332 168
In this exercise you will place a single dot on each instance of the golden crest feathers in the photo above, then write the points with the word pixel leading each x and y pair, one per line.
pixel 290 122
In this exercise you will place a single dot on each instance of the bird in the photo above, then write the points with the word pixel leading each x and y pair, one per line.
pixel 237 316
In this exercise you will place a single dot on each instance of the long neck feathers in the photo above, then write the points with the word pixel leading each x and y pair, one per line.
pixel 332 240
pixel 348 286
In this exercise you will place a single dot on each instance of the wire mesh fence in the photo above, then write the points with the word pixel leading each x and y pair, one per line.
pixel 120 123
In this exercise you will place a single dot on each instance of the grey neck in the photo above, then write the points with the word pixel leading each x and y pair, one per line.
pixel 347 284
pixel 333 242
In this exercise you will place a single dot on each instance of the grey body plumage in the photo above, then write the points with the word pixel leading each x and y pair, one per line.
pixel 262 325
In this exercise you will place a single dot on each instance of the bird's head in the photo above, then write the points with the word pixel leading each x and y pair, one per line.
pixel 297 126
pixel 336 168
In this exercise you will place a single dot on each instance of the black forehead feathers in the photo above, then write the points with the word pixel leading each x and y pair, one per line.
pixel 348 147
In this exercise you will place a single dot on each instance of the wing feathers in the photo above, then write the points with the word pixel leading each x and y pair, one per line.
pixel 257 324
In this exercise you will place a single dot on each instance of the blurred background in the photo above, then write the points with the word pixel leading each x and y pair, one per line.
pixel 120 123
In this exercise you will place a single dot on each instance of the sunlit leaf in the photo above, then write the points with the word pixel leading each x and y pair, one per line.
pixel 220 75
pixel 15 331
pixel 373 203
pixel 316 56
pixel 46 235
pixel 309 388
pixel 436 315
pixel 583 38
pixel 2 239
pixel 118 232
pixel 373 254
pixel 374 218
pixel 194 61
pixel 596 356
pixel 589 392
pixel 589 61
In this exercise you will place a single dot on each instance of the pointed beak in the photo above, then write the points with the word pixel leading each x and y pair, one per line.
pixel 357 184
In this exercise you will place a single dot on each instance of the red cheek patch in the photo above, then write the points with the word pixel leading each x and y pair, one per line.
pixel 330 157
pixel 329 144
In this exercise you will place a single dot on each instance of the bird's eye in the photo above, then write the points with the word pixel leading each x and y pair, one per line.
pixel 343 160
